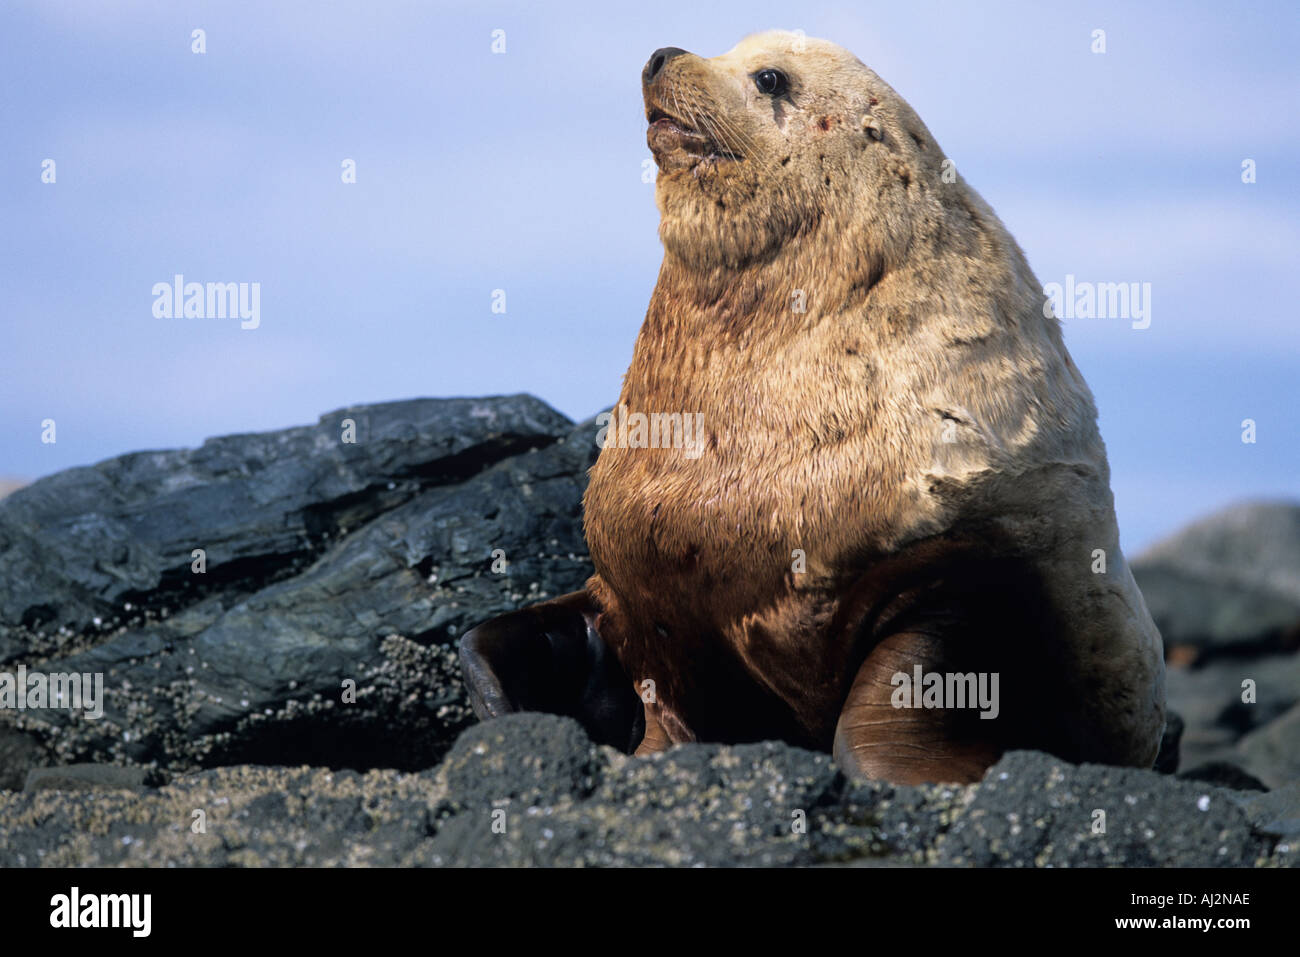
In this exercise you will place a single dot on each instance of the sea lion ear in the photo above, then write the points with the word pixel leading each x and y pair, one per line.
pixel 871 126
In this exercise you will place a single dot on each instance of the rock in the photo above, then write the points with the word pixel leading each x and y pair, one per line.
pixel 395 535
pixel 1273 752
pixel 85 777
pixel 1228 582
pixel 300 703
pixel 1167 757
pixel 228 817
pixel 1033 810
pixel 525 759
pixel 1224 774
pixel 1277 813
pixel 565 802
pixel 19 753
pixel 532 790
pixel 82 544
pixel 1210 700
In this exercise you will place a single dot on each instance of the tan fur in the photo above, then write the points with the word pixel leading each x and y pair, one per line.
pixel 827 427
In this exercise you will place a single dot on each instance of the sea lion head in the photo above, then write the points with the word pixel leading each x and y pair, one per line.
pixel 780 137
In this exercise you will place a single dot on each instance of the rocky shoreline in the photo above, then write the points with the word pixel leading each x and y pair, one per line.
pixel 230 596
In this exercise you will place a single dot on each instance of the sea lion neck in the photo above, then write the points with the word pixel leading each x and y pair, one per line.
pixel 779 295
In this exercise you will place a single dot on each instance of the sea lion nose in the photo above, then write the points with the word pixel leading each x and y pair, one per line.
pixel 657 61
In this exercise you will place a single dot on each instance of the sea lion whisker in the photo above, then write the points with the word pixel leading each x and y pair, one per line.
pixel 736 142
pixel 723 122
pixel 716 127
pixel 705 118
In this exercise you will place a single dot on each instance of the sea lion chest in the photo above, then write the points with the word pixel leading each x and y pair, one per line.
pixel 771 474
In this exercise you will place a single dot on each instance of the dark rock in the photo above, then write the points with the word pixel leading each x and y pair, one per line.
pixel 521 758
pixel 1167 758
pixel 254 673
pixel 19 753
pixel 354 568
pixel 561 799
pixel 84 543
pixel 1277 813
pixel 1217 717
pixel 532 790
pixel 1033 810
pixel 1224 774
pixel 85 777
pixel 1210 699
pixel 1273 752
pixel 228 817
pixel 1230 582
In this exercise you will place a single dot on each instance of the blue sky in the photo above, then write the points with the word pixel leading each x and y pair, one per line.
pixel 522 171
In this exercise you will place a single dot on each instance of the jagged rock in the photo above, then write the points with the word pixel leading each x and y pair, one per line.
pixel 84 543
pixel 557 799
pixel 563 801
pixel 1230 582
pixel 394 539
pixel 1033 810
pixel 1273 752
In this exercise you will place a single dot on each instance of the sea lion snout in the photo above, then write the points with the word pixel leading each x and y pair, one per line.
pixel 687 123
pixel 656 63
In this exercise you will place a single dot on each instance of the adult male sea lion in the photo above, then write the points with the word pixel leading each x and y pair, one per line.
pixel 900 501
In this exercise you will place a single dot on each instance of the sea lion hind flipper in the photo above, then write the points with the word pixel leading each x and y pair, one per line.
pixel 876 740
pixel 550 657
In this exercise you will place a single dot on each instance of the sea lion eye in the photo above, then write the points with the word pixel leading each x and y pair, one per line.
pixel 771 82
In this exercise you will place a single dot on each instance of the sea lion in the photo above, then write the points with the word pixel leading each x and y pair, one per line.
pixel 898 506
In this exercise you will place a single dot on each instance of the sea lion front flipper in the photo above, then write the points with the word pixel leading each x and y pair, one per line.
pixel 550 657
pixel 875 740
pixel 655 739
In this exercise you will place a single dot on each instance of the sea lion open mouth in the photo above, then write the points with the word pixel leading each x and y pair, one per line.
pixel 677 144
